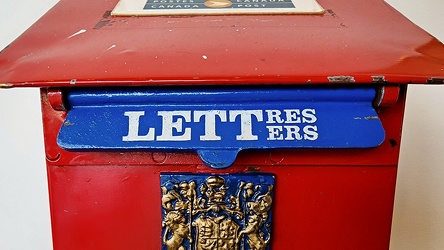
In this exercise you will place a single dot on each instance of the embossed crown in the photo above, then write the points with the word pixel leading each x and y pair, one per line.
pixel 215 181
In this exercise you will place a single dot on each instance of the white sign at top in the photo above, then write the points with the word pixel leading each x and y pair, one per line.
pixel 214 7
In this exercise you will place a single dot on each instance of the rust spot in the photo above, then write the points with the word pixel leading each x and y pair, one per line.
pixel 106 19
pixel 393 142
pixel 331 12
pixel 101 24
pixel 106 14
pixel 252 169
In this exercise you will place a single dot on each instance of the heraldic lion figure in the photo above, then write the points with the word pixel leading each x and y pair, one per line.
pixel 177 229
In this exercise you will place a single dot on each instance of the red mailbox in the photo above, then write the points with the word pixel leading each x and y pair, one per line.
pixel 214 125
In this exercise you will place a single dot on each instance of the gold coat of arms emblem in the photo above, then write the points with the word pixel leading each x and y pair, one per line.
pixel 216 212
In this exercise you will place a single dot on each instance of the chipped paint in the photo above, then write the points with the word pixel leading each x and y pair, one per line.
pixel 111 47
pixel 204 57
pixel 77 33
pixel 68 123
pixel 73 81
pixel 6 85
pixel 371 118
pixel 378 79
pixel 435 80
pixel 341 79
pixel 106 20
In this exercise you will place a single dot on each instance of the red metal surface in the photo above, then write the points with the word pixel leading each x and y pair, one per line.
pixel 55 98
pixel 328 207
pixel 354 41
pixel 324 199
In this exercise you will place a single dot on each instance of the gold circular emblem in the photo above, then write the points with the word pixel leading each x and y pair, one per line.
pixel 218 3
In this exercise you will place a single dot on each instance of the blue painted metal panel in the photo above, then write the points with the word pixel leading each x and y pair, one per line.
pixel 218 123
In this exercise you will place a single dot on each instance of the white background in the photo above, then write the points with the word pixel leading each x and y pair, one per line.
pixel 24 211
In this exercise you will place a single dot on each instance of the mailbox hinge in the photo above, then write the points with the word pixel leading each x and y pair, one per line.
pixel 387 96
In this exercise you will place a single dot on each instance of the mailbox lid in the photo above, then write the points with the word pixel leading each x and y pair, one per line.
pixel 79 43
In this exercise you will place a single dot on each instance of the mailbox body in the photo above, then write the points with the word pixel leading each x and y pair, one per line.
pixel 323 196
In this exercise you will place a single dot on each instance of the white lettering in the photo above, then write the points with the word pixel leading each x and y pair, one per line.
pixel 308 116
pixel 274 133
pixel 133 128
pixel 293 133
pixel 311 133
pixel 292 116
pixel 274 116
pixel 246 123
pixel 173 128
pixel 210 123
pixel 169 125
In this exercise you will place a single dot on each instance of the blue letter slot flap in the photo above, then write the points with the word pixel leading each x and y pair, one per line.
pixel 217 123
